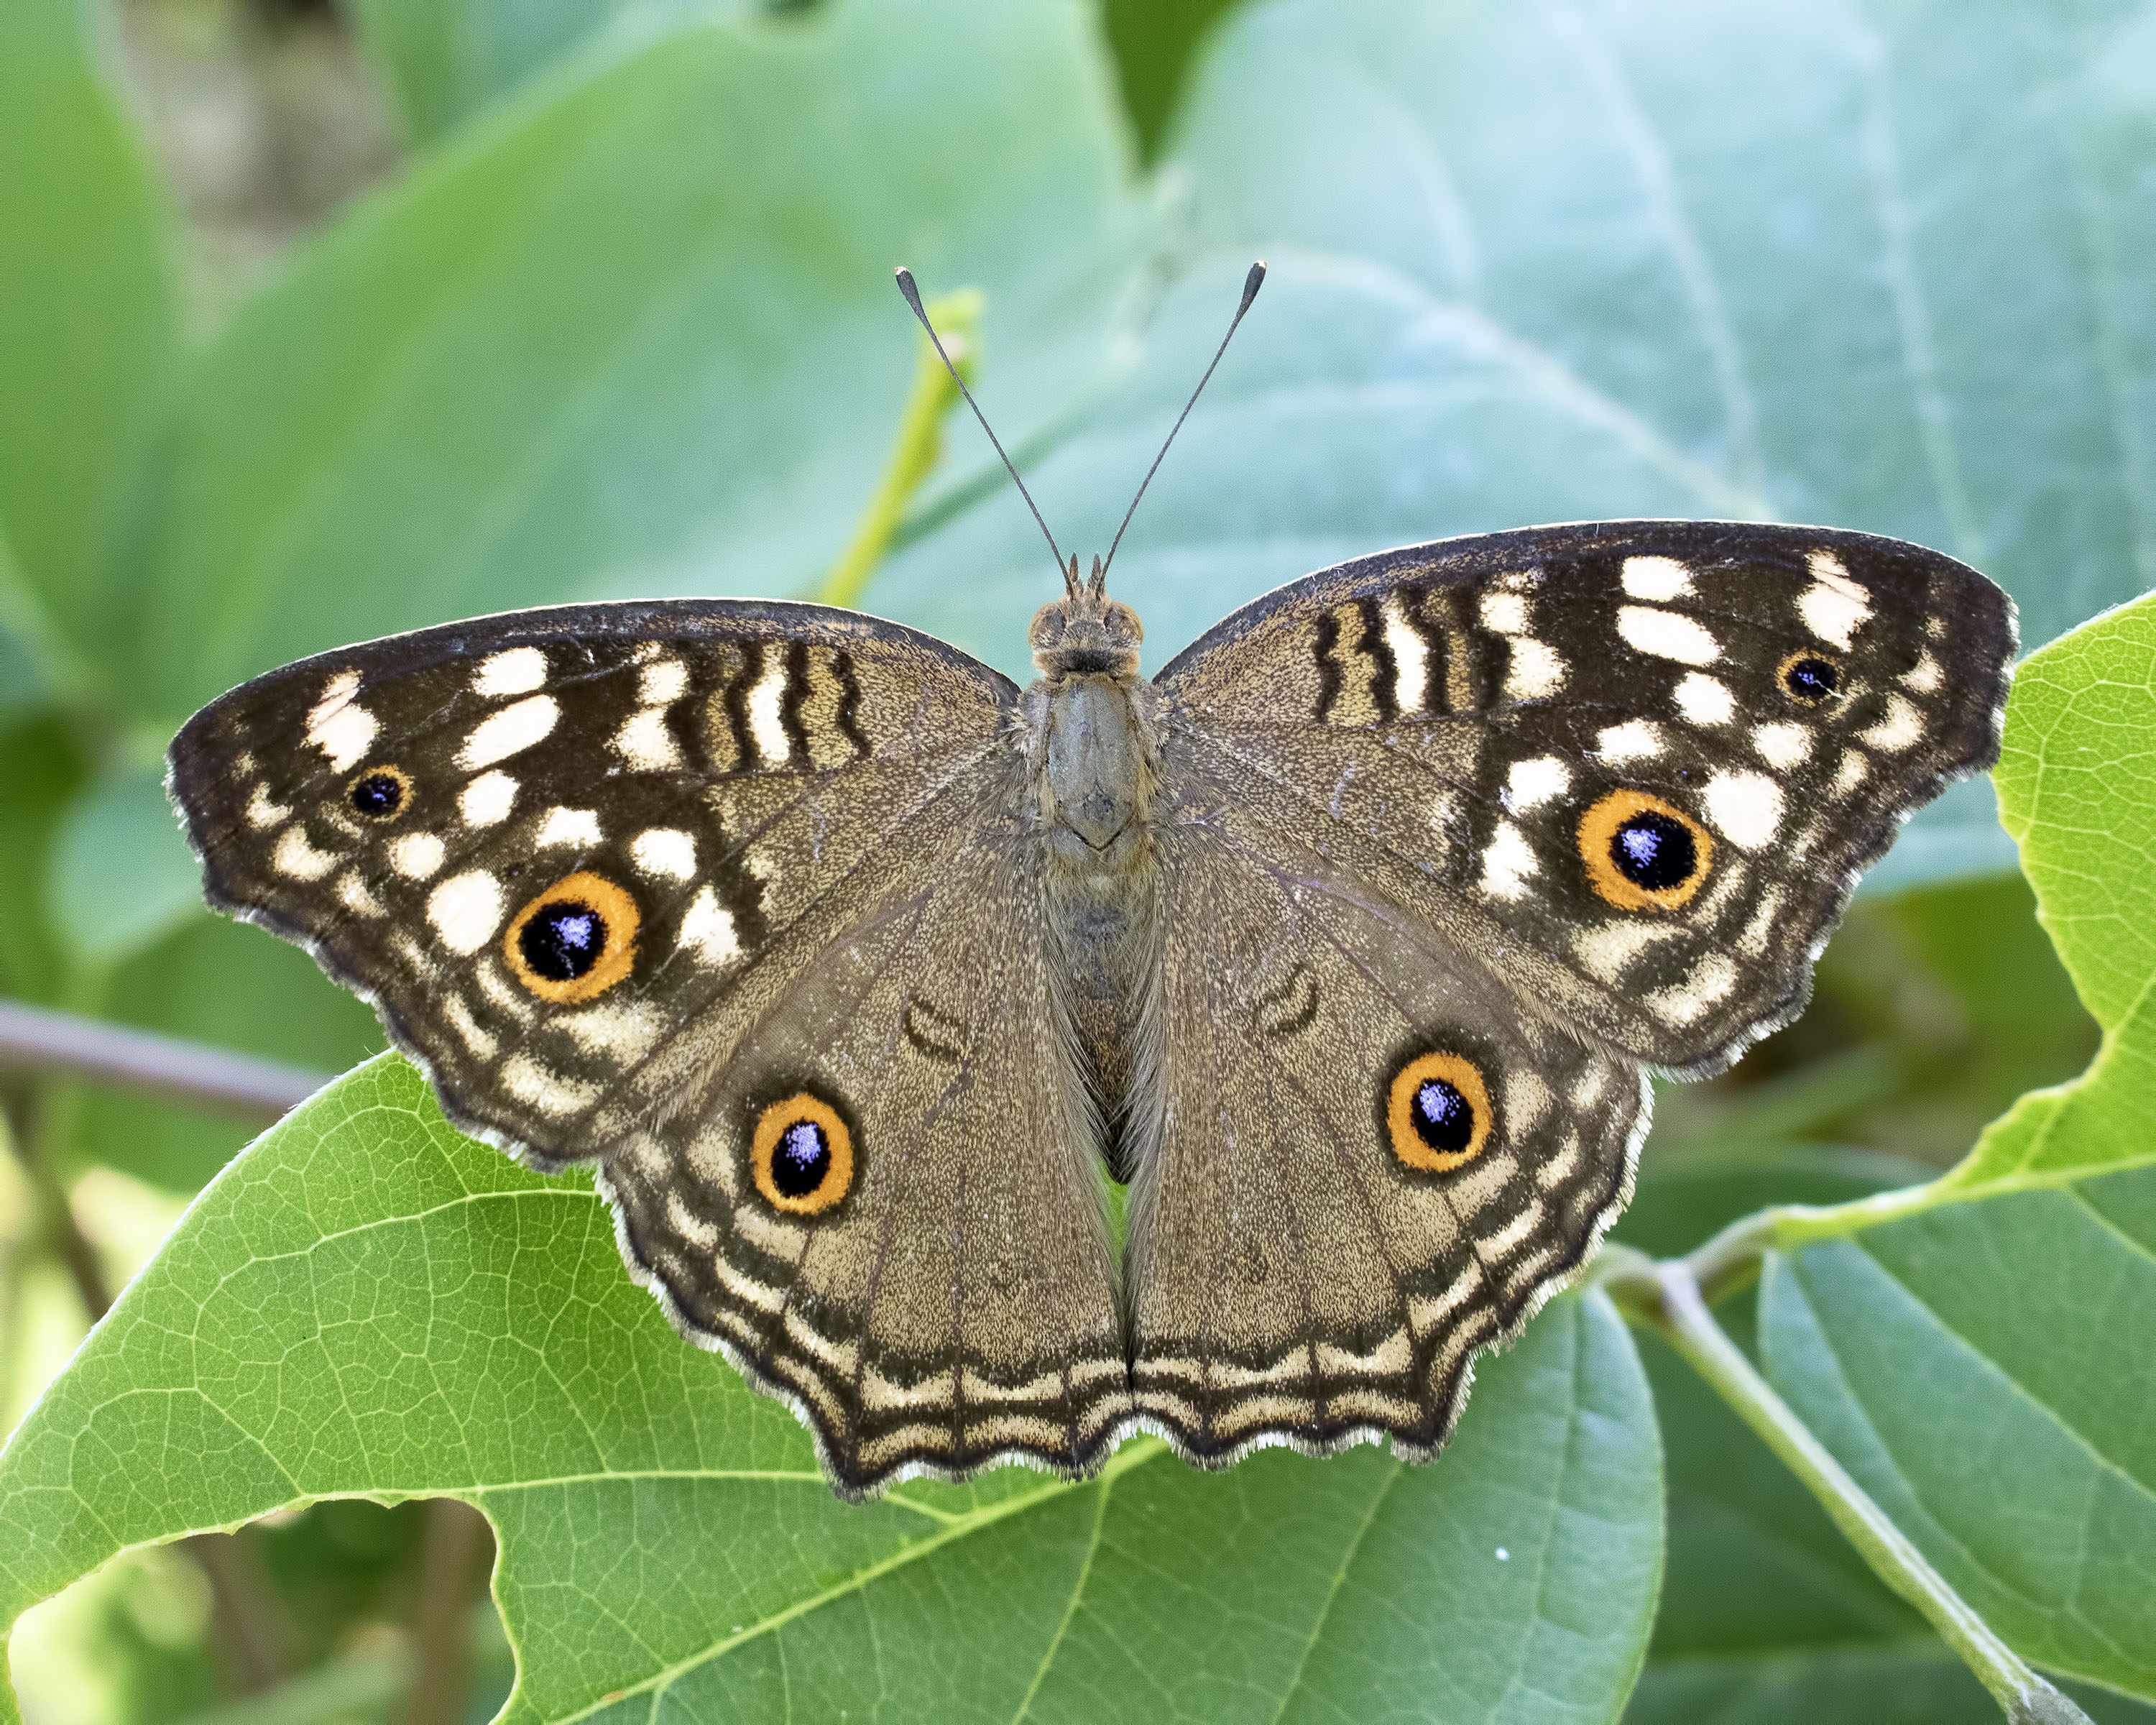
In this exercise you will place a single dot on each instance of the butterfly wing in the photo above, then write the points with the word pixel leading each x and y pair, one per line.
pixel 730 898
pixel 1515 818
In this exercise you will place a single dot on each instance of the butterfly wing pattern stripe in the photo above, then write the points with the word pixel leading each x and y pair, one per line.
pixel 1350 939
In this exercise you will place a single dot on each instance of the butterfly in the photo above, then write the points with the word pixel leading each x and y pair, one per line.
pixel 1347 942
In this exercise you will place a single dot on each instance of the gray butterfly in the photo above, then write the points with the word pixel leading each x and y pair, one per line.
pixel 1347 942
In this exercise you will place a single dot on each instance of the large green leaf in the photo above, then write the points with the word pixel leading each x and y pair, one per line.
pixel 1880 268
pixel 1980 1360
pixel 1983 1370
pixel 638 337
pixel 2077 787
pixel 88 303
pixel 365 1303
pixel 1768 1615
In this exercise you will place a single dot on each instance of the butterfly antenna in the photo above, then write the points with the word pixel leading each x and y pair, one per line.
pixel 913 298
pixel 1251 283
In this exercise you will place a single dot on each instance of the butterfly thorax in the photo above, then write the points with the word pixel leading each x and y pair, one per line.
pixel 1094 750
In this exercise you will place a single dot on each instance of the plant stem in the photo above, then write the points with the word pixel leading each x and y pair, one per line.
pixel 42 1038
pixel 957 317
pixel 1665 1298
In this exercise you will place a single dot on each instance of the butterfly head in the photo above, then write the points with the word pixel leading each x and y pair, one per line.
pixel 1085 630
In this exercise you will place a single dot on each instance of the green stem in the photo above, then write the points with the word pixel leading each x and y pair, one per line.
pixel 1665 1298
pixel 957 317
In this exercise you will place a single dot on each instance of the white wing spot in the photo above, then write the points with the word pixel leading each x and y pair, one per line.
pixel 1505 614
pixel 1666 634
pixel 466 909
pixel 664 850
pixel 1753 942
pixel 262 812
pixel 1924 677
pixel 1704 699
pixel 706 926
pixel 1745 807
pixel 1711 979
pixel 470 1031
pixel 549 1091
pixel 569 826
pixel 626 1033
pixel 294 856
pixel 666 681
pixel 417 856
pixel 1634 740
pixel 1410 656
pixel 1902 726
pixel 339 728
pixel 1535 670
pixel 518 671
pixel 763 721
pixel 645 743
pixel 1508 860
pixel 1783 745
pixel 1855 765
pixel 486 800
pixel 352 894
pixel 1658 578
pixel 510 732
pixel 1532 783
pixel 1834 606
pixel 1606 950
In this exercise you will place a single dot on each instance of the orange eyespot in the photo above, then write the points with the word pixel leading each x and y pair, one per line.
pixel 379 793
pixel 575 940
pixel 1808 679
pixel 1643 853
pixel 1438 1112
pixel 802 1156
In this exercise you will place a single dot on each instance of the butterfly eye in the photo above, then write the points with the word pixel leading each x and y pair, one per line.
pixel 380 793
pixel 802 1155
pixel 575 940
pixel 1643 853
pixel 1437 1112
pixel 1808 679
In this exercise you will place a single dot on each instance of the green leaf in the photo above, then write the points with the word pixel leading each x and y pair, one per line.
pixel 2078 786
pixel 88 301
pixel 367 1304
pixel 122 876
pixel 445 59
pixel 1899 284
pixel 1982 1370
pixel 1769 1616
pixel 637 338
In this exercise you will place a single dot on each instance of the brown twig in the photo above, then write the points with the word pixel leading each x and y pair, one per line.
pixel 41 1038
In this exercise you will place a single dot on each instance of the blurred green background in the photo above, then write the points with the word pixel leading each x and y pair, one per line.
pixel 318 321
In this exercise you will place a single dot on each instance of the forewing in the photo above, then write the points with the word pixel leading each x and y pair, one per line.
pixel 712 776
pixel 1464 727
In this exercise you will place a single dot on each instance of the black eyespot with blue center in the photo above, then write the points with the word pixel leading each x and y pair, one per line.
pixel 1436 1111
pixel 801 1155
pixel 562 940
pixel 1442 1117
pixel 1809 679
pixel 380 793
pixel 802 1161
pixel 1653 851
